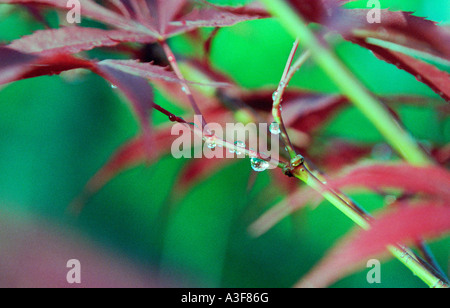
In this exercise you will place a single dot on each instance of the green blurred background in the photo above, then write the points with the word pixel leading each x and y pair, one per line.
pixel 55 134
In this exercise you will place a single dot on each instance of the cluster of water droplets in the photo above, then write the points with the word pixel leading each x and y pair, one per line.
pixel 238 144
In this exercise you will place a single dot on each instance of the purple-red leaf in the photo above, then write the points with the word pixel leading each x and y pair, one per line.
pixel 339 153
pixel 151 71
pixel 398 28
pixel 401 225
pixel 16 65
pixel 214 17
pixel 310 112
pixel 159 19
pixel 437 80
pixel 91 10
pixel 135 88
pixel 402 28
pixel 70 40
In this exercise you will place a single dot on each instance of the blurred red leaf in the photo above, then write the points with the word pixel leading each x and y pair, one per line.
pixel 442 154
pixel 338 154
pixel 302 110
pixel 35 254
pixel 309 113
pixel 432 180
pixel 401 225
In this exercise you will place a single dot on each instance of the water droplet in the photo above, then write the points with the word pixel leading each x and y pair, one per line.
pixel 239 144
pixel 274 128
pixel 275 96
pixel 184 89
pixel 210 142
pixel 113 86
pixel 211 145
pixel 258 164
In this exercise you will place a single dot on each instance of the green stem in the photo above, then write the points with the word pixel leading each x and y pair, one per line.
pixel 399 139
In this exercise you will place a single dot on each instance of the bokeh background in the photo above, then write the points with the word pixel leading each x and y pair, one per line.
pixel 56 132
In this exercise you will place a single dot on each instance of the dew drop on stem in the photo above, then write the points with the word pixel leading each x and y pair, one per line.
pixel 239 144
pixel 275 128
pixel 258 164
pixel 275 96
pixel 210 143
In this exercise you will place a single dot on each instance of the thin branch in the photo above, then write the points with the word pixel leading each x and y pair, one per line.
pixel 217 141
pixel 173 62
pixel 278 98
pixel 171 116
pixel 424 249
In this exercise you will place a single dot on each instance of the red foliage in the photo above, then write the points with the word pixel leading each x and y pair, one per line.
pixel 434 181
pixel 405 224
